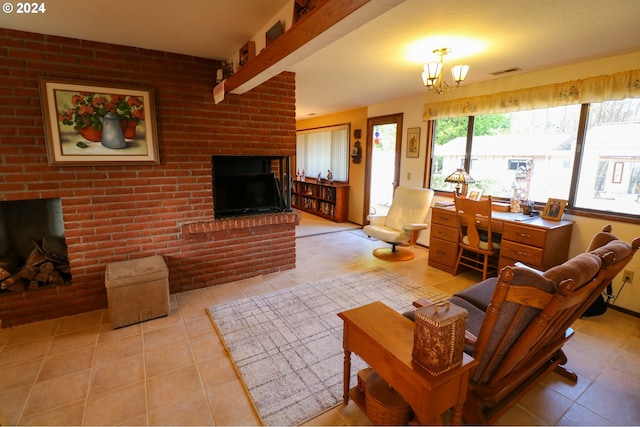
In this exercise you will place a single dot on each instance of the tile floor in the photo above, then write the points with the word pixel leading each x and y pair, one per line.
pixel 174 370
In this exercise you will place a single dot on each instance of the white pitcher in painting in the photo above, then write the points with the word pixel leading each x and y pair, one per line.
pixel 112 136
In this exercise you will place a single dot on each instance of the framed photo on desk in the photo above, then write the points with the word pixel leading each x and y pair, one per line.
pixel 554 209
pixel 474 194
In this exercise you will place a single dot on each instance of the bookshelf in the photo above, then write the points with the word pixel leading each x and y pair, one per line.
pixel 330 201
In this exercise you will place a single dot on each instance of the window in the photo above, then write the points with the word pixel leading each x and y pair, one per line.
pixel 540 141
pixel 530 154
pixel 609 177
pixel 449 151
pixel 321 150
pixel 515 164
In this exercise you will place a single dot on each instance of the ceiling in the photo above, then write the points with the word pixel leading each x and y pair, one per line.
pixel 378 61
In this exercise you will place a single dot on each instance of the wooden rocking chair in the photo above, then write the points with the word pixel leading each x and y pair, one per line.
pixel 519 321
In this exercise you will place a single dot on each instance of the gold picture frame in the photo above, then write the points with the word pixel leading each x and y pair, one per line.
pixel 554 209
pixel 413 142
pixel 89 123
pixel 474 194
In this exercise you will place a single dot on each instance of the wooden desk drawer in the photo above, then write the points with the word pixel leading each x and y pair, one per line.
pixel 528 254
pixel 527 235
pixel 445 233
pixel 443 252
pixel 444 217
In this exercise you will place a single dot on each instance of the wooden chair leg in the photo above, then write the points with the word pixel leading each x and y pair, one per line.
pixel 485 266
pixel 561 370
pixel 457 265
pixel 566 373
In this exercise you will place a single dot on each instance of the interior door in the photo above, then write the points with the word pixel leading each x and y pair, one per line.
pixel 384 136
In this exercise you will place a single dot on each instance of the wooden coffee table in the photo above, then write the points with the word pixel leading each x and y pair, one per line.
pixel 383 338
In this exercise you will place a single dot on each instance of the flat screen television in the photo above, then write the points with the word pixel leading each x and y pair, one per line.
pixel 245 194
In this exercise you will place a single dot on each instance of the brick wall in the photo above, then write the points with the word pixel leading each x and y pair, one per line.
pixel 114 213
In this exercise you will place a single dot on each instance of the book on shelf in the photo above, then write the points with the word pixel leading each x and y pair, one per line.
pixel 444 204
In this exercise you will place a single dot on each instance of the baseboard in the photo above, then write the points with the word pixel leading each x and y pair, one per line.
pixel 624 310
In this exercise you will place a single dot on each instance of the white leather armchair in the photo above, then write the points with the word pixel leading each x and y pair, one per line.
pixel 402 224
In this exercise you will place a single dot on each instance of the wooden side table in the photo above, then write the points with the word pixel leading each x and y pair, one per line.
pixel 383 338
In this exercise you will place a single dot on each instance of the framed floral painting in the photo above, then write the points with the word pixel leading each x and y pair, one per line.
pixel 93 123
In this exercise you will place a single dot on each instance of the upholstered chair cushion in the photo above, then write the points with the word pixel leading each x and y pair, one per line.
pixel 581 268
pixel 619 248
pixel 474 318
pixel 483 244
pixel 479 294
pixel 600 239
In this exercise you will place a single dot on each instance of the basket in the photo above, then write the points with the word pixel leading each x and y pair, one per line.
pixel 384 405
pixel 363 374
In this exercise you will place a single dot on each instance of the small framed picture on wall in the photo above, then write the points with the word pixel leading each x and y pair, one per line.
pixel 413 142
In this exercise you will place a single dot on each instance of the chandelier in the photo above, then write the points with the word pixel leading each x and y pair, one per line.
pixel 432 75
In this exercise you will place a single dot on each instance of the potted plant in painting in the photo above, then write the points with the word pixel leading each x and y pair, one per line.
pixel 131 112
pixel 87 108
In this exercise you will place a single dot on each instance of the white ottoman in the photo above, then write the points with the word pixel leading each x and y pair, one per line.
pixel 137 290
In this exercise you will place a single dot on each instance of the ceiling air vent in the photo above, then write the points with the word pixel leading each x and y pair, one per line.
pixel 508 70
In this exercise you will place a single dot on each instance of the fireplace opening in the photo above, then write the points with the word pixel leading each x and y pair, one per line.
pixel 247 185
pixel 33 252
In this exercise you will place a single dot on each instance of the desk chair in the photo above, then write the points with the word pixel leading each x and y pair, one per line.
pixel 476 247
pixel 402 224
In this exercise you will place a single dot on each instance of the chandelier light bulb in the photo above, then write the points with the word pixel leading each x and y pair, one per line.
pixel 459 72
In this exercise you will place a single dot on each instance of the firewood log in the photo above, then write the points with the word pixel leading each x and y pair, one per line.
pixel 47 267
pixel 14 284
pixel 9 263
pixel 55 278
pixel 27 273
pixel 35 258
pixel 42 276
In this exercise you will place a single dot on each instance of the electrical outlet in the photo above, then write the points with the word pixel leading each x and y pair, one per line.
pixel 627 276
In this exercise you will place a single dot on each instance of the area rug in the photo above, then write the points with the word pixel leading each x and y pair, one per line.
pixel 287 344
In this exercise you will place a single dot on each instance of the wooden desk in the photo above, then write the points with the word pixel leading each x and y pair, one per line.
pixel 536 242
pixel 383 338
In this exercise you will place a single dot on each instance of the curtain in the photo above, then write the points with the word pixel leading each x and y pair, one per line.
pixel 621 85
pixel 321 150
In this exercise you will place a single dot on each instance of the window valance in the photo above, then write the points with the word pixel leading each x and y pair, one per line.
pixel 625 84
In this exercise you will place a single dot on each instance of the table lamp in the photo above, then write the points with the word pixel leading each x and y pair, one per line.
pixel 460 176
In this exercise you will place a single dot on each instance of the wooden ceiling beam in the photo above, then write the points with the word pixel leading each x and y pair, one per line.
pixel 287 49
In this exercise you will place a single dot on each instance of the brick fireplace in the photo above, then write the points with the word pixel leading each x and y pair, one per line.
pixel 114 213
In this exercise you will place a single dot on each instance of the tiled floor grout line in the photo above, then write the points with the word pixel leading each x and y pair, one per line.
pixel 195 361
pixel 93 368
pixel 146 376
